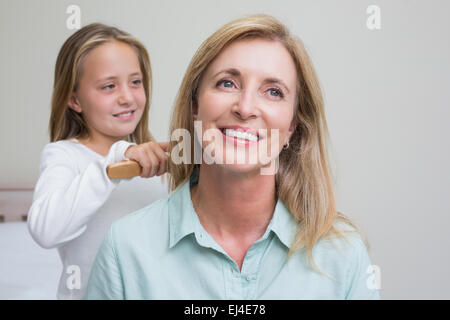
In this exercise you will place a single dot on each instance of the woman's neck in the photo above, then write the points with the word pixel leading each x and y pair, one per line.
pixel 232 204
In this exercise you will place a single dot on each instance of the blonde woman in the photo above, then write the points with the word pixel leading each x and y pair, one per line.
pixel 99 115
pixel 234 229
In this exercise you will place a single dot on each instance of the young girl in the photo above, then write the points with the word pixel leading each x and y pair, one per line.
pixel 99 116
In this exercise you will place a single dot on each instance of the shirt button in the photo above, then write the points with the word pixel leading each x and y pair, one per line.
pixel 249 277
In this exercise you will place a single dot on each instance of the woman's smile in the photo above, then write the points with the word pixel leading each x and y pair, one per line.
pixel 239 135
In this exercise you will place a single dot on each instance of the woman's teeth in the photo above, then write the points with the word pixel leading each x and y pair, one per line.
pixel 240 135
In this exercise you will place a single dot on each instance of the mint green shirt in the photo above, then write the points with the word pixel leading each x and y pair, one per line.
pixel 163 252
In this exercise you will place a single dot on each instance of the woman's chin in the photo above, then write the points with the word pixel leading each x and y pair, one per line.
pixel 239 168
pixel 240 163
pixel 243 168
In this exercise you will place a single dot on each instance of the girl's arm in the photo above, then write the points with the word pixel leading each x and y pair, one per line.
pixel 65 200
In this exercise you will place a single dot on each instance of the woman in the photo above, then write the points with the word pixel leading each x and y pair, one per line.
pixel 228 230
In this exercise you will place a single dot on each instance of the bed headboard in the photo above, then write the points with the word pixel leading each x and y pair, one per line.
pixel 15 201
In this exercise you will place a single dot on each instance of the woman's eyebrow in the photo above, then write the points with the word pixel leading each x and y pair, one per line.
pixel 137 73
pixel 230 71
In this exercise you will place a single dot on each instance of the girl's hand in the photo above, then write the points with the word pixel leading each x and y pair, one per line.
pixel 151 156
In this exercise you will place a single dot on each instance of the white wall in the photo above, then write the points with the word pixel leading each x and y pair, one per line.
pixel 387 102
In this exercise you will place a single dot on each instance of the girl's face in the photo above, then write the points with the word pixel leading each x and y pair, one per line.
pixel 246 99
pixel 110 93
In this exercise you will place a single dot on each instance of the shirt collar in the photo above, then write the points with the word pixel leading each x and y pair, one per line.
pixel 183 219
pixel 283 224
pixel 181 214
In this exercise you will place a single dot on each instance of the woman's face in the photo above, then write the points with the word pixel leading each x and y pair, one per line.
pixel 246 104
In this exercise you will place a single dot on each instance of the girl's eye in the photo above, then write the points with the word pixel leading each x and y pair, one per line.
pixel 137 82
pixel 274 92
pixel 108 87
pixel 225 83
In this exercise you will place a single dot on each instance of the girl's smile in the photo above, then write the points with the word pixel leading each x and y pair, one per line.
pixel 125 115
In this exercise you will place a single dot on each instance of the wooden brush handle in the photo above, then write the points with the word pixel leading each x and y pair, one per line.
pixel 123 169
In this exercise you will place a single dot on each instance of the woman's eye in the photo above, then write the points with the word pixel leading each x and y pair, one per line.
pixel 226 83
pixel 276 92
pixel 137 82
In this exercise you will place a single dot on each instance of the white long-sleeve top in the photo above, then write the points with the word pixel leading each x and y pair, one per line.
pixel 74 204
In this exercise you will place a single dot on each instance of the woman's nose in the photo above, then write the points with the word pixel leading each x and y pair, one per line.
pixel 245 108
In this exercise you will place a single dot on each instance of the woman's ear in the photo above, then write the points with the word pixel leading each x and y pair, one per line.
pixel 74 104
pixel 195 95
pixel 194 109
pixel 292 128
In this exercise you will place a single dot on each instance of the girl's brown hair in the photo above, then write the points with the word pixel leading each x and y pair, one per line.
pixel 65 123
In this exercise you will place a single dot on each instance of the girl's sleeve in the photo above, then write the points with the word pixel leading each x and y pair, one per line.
pixel 64 199
pixel 105 280
pixel 362 277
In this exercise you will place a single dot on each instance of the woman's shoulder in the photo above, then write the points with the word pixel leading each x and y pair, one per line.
pixel 348 254
pixel 347 235
pixel 346 246
pixel 149 220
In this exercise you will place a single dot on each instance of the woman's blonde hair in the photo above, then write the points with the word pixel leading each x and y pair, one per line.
pixel 65 123
pixel 303 182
